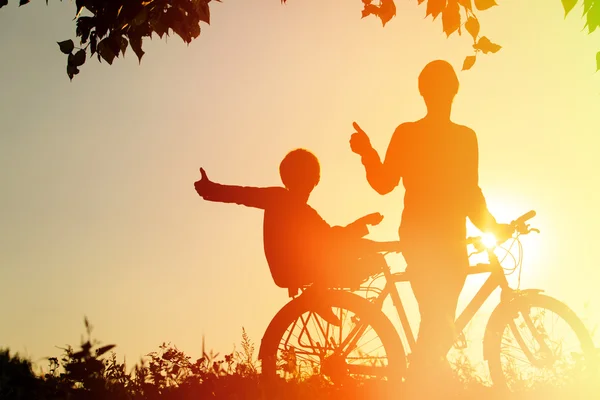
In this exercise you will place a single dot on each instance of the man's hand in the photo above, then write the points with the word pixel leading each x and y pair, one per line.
pixel 203 184
pixel 503 232
pixel 371 219
pixel 359 141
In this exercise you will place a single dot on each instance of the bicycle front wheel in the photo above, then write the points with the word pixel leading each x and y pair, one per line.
pixel 537 341
pixel 359 347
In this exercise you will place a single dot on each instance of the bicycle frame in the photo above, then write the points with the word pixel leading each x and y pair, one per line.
pixel 495 280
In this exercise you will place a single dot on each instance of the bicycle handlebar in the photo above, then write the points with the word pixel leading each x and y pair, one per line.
pixel 525 217
pixel 518 224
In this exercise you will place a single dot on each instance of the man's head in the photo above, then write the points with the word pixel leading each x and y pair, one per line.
pixel 438 84
pixel 300 171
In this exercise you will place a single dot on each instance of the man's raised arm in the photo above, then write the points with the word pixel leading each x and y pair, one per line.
pixel 383 177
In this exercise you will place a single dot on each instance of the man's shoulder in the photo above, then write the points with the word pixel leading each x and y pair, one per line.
pixel 405 130
pixel 463 129
pixel 406 127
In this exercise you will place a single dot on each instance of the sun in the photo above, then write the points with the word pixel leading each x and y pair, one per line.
pixel 489 240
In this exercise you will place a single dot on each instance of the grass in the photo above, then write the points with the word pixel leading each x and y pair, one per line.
pixel 93 372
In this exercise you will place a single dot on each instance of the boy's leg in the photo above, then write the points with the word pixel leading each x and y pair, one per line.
pixel 349 260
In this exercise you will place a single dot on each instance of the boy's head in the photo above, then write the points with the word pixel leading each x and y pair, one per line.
pixel 300 171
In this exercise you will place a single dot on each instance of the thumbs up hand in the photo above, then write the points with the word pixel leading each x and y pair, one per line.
pixel 359 141
pixel 202 185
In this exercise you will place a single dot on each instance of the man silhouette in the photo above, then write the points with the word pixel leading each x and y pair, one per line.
pixel 437 161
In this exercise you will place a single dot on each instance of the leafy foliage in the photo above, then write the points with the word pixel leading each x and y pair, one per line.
pixel 94 373
pixel 107 28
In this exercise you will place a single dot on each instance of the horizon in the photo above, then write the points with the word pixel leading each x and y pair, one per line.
pixel 101 217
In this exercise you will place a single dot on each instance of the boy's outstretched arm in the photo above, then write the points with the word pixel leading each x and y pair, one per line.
pixel 244 195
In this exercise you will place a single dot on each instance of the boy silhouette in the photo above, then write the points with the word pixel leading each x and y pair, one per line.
pixel 300 247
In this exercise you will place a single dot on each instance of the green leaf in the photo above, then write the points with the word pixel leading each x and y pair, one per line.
pixel 158 27
pixel 105 51
pixel 79 4
pixel 115 43
pixel 77 59
pixel 104 349
pixel 23 2
pixel 451 17
pixel 123 45
pixel 587 4
pixel 194 31
pixel 435 7
pixel 66 46
pixel 598 61
pixel 204 11
pixel 486 46
pixel 466 4
pixel 370 9
pixel 72 71
pixel 93 43
pixel 472 26
pixel 3 3
pixel 469 62
pixel 140 18
pixel 485 4
pixel 593 17
pixel 387 10
pixel 568 5
pixel 136 45
pixel 84 27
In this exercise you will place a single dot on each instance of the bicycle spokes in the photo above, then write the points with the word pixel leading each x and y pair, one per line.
pixel 314 346
pixel 538 346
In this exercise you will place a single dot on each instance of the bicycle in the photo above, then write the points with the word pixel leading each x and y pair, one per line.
pixel 362 345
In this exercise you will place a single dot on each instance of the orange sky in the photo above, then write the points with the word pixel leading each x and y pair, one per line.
pixel 99 216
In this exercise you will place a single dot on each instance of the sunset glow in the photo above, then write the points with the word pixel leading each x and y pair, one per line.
pixel 99 213
pixel 489 240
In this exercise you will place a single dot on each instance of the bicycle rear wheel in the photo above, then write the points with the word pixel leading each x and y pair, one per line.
pixel 536 341
pixel 363 351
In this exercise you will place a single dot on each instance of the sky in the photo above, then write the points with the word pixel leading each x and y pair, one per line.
pixel 98 214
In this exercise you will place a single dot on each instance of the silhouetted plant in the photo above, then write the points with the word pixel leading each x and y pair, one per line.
pixel 169 374
pixel 17 380
pixel 465 372
pixel 107 28
pixel 246 364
